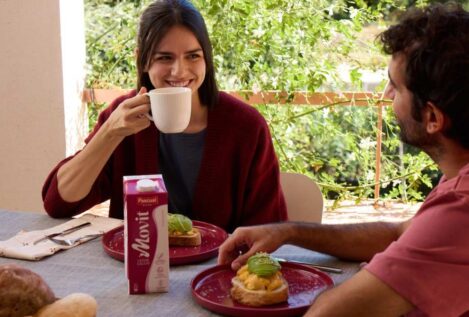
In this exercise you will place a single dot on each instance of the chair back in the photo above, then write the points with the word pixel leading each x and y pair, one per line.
pixel 303 197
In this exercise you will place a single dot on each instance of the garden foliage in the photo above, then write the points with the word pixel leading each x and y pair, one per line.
pixel 291 46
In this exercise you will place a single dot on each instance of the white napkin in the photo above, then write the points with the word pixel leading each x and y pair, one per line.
pixel 21 245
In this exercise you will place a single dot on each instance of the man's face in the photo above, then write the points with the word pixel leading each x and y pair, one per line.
pixel 413 132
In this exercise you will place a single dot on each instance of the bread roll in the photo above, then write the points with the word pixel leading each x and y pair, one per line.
pixel 73 305
pixel 258 297
pixel 22 292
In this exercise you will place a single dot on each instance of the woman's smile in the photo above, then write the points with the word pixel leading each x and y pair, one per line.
pixel 178 61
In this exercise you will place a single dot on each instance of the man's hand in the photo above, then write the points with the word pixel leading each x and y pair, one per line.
pixel 246 241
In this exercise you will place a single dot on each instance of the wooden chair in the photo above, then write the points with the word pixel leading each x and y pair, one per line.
pixel 303 197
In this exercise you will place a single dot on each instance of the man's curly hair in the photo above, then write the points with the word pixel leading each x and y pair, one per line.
pixel 435 41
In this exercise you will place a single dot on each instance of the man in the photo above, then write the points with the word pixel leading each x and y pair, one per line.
pixel 419 267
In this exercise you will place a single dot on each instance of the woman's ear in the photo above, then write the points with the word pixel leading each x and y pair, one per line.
pixel 435 120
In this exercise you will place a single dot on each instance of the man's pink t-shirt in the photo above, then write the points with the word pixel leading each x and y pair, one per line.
pixel 429 264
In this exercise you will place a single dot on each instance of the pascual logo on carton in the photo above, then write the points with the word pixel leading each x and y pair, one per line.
pixel 147 200
pixel 141 244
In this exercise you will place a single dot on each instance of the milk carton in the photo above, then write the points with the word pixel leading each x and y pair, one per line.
pixel 146 234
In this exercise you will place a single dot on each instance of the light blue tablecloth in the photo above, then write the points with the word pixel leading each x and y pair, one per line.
pixel 88 269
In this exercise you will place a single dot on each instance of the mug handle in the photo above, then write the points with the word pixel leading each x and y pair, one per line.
pixel 147 114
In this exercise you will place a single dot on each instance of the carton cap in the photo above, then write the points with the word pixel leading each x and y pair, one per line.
pixel 146 185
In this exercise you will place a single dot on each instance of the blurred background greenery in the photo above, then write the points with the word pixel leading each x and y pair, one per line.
pixel 291 46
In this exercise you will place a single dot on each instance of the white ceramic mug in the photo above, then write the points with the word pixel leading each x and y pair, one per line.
pixel 170 108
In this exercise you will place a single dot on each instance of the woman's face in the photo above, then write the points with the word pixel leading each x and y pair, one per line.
pixel 178 61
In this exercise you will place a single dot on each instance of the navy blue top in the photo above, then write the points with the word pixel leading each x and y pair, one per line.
pixel 181 155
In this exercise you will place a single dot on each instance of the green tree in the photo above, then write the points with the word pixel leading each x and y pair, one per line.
pixel 287 45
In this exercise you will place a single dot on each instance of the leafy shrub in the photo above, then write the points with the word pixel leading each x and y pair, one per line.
pixel 286 45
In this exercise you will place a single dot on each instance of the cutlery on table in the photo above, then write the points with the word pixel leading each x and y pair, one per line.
pixel 324 268
pixel 63 233
pixel 70 242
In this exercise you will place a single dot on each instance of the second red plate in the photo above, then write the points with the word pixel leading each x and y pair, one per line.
pixel 211 289
pixel 212 237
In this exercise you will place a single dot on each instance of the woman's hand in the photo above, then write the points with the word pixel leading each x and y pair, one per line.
pixel 129 117
pixel 76 177
pixel 246 241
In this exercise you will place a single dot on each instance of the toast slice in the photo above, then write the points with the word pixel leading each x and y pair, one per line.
pixel 190 239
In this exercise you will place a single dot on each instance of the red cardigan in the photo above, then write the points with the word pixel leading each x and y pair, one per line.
pixel 238 182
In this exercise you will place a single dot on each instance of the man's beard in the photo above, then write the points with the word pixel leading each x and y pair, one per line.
pixel 414 133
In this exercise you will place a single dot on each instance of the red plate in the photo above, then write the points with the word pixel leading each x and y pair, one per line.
pixel 212 237
pixel 211 289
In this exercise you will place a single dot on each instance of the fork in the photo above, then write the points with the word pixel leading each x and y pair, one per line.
pixel 72 242
pixel 62 233
pixel 324 268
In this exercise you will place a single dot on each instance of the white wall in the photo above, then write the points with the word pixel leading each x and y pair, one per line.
pixel 42 119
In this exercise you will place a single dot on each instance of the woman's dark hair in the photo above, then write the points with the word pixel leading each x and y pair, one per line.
pixel 435 42
pixel 155 22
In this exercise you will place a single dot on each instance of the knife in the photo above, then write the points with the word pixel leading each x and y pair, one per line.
pixel 324 268
pixel 63 233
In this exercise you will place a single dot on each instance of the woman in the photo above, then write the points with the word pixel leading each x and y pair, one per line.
pixel 222 169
